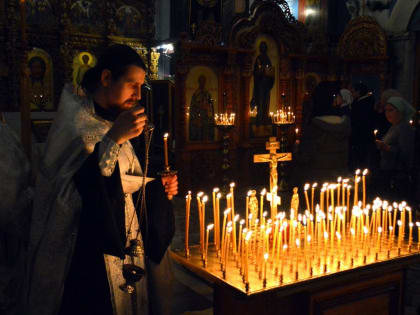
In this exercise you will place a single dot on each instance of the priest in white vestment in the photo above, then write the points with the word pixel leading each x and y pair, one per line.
pixel 94 197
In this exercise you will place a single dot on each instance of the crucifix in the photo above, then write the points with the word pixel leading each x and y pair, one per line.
pixel 273 158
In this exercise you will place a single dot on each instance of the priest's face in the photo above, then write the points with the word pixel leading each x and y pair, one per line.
pixel 124 92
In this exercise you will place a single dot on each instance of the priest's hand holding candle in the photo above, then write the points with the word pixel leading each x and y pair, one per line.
pixel 169 178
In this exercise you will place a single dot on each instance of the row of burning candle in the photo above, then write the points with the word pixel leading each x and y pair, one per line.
pixel 283 116
pixel 319 226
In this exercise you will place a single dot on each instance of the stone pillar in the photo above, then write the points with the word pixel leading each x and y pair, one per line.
pixel 402 53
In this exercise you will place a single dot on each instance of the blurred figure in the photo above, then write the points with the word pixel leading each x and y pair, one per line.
pixel 343 101
pixel 397 150
pixel 381 123
pixel 362 138
pixel 323 150
pixel 15 212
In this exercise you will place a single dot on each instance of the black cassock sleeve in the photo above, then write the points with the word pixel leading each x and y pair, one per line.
pixel 103 206
pixel 103 214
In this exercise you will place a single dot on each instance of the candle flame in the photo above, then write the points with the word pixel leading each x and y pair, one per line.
pixel 248 236
pixel 418 224
pixel 216 189
pixel 411 224
pixel 314 185
pixel 380 229
pixel 365 171
pixel 166 135
pixel 229 224
pixel 297 242
pixel 205 198
pixel 306 187
pixel 249 193
pixel 232 185
pixel 326 235
pixel 200 194
pixel 309 238
pixel 242 222
pixel 365 230
pixel 210 226
pixel 357 171
pixel 227 211
pixel 236 218
pixel 219 195
pixel 338 235
pixel 265 256
pixel 263 192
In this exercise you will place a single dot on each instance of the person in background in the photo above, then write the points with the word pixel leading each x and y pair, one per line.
pixel 343 100
pixel 98 218
pixel 397 150
pixel 323 150
pixel 362 137
pixel 16 196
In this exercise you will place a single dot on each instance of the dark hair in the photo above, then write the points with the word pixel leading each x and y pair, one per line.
pixel 323 99
pixel 116 58
pixel 361 88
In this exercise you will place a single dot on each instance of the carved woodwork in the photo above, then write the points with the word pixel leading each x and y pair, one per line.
pixel 65 28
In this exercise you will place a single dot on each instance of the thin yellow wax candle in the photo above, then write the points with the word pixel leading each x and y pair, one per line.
pixel 312 197
pixel 203 222
pixel 275 239
pixel 187 222
pixel 200 218
pixel 215 190
pixel 418 235
pixel 225 214
pixel 241 224
pixel 306 196
pixel 217 232
pixel 364 186
pixel 232 198
pixel 409 214
pixel 348 198
pixel 356 190
pixel 263 192
pixel 332 187
pixel 378 239
pixel 235 219
pixel 209 228
pixel 247 208
pixel 410 235
pixel 248 236
pixel 321 199
pixel 165 148
pixel 226 254
pixel 265 266
pixel 339 190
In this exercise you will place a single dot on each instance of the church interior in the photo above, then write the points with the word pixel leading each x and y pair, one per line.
pixel 230 88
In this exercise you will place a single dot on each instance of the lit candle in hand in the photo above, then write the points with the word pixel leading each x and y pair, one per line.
pixel 165 149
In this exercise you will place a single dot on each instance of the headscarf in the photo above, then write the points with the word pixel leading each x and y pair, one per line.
pixel 387 94
pixel 406 110
pixel 347 97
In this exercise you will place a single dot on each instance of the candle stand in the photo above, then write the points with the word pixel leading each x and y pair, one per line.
pixel 225 122
pixel 226 164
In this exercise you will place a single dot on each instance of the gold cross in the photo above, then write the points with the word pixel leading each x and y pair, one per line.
pixel 273 158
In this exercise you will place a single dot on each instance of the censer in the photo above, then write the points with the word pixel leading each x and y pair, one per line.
pixel 131 274
pixel 134 249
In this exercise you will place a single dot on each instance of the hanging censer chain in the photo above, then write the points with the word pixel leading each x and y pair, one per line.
pixel 134 248
pixel 131 272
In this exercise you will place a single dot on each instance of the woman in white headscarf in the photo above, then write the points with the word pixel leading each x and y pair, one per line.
pixel 397 146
